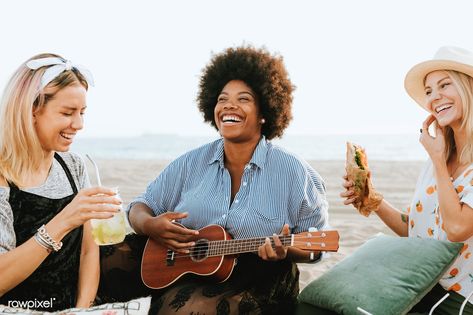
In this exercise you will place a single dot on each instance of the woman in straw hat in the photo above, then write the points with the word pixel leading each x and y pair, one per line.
pixel 442 207
pixel 48 259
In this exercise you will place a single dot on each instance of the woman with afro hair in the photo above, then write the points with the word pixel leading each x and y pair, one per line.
pixel 241 182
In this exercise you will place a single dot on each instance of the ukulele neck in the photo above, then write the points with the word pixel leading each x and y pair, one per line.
pixel 237 246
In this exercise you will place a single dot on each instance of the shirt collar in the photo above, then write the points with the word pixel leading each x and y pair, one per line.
pixel 258 158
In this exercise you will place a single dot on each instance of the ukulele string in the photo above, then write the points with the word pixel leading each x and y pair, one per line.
pixel 244 246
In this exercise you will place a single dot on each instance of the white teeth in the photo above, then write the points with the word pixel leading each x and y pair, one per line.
pixel 231 118
pixel 442 107
pixel 68 136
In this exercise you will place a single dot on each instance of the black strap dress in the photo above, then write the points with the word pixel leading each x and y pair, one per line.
pixel 56 279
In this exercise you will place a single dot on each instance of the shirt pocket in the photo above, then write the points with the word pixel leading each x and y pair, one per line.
pixel 267 220
pixel 267 213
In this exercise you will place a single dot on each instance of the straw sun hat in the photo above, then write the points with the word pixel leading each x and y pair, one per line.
pixel 446 58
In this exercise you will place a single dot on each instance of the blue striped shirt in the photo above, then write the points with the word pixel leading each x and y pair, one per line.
pixel 276 188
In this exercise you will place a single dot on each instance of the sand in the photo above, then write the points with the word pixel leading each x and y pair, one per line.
pixel 395 180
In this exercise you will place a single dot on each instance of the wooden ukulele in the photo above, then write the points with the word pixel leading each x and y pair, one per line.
pixel 214 254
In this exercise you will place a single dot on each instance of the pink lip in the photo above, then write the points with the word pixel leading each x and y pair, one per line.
pixel 65 139
pixel 443 112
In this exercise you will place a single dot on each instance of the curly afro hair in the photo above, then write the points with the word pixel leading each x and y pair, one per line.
pixel 263 73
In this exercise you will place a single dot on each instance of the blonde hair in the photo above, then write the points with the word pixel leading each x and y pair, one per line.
pixel 464 85
pixel 21 152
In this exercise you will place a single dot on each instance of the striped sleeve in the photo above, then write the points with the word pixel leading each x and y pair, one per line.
pixel 163 193
pixel 313 211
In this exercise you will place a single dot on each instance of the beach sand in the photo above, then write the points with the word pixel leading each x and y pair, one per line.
pixel 395 180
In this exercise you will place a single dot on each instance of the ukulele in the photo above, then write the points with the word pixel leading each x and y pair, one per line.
pixel 214 254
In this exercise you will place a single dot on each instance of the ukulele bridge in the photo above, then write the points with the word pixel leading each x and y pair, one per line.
pixel 170 258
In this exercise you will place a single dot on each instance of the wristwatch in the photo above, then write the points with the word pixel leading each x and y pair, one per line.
pixel 313 258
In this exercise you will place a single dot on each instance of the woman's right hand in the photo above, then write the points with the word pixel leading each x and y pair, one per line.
pixel 89 203
pixel 175 237
pixel 348 193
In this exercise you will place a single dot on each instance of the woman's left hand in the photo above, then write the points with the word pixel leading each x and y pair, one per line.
pixel 435 146
pixel 279 252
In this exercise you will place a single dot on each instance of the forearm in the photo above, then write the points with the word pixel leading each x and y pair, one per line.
pixel 19 263
pixel 457 217
pixel 139 215
pixel 393 218
pixel 89 271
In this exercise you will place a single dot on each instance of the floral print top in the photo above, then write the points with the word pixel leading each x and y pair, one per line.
pixel 425 221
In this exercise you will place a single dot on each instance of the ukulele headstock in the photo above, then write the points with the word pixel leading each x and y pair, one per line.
pixel 327 241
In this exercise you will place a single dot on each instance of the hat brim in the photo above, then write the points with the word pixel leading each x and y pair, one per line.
pixel 414 81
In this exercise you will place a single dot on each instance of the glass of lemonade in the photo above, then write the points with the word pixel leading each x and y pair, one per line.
pixel 109 231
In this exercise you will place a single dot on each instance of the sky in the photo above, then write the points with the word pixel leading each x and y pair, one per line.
pixel 346 58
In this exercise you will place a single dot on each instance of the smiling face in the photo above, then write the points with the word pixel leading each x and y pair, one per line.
pixel 237 114
pixel 443 100
pixel 58 121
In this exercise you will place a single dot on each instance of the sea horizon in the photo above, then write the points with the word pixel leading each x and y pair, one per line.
pixel 388 147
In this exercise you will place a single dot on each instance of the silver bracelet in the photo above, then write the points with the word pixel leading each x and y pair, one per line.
pixel 42 243
pixel 46 238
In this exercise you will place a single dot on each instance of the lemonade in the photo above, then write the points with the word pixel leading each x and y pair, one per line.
pixel 109 231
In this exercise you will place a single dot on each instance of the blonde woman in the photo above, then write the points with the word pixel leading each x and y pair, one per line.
pixel 48 259
pixel 442 206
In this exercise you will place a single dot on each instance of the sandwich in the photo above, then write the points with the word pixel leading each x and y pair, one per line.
pixel 367 199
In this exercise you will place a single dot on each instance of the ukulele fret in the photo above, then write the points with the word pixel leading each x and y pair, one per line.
pixel 236 246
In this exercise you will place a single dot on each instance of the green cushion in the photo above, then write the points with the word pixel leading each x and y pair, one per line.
pixel 387 275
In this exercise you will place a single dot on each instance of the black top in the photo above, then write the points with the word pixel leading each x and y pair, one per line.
pixel 53 286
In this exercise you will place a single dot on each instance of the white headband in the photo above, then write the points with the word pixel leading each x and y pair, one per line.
pixel 58 66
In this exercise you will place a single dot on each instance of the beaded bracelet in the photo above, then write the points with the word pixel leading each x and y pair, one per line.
pixel 47 239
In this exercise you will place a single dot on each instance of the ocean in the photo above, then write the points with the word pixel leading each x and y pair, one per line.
pixel 309 147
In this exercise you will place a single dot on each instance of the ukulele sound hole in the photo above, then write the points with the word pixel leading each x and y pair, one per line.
pixel 200 251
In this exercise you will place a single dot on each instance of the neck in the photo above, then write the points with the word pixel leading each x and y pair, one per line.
pixel 40 174
pixel 239 153
pixel 47 161
pixel 460 141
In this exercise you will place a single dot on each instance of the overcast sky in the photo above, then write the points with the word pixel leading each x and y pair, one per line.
pixel 347 58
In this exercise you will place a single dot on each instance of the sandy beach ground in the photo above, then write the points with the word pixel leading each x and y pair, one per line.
pixel 395 180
